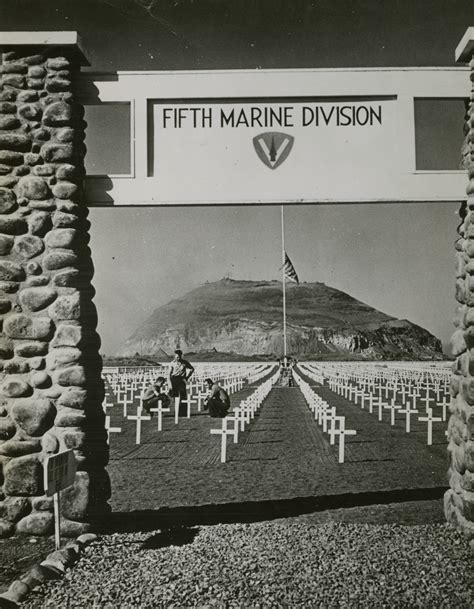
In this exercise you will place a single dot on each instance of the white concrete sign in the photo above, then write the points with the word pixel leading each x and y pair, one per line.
pixel 273 136
pixel 271 152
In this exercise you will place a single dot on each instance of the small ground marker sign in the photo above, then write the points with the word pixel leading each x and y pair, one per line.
pixel 59 473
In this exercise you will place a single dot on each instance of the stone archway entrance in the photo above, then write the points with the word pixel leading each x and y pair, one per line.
pixel 51 391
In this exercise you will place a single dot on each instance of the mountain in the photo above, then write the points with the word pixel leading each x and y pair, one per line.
pixel 245 317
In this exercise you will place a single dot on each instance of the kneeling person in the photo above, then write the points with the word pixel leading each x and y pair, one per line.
pixel 154 394
pixel 217 401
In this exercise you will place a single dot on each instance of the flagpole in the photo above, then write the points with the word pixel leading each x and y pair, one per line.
pixel 283 273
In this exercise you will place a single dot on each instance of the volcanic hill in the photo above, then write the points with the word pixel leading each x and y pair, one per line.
pixel 245 318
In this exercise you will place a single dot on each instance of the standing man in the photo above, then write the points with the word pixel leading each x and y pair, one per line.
pixel 179 372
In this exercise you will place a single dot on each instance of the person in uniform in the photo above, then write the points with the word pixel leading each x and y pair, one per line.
pixel 217 400
pixel 155 393
pixel 179 372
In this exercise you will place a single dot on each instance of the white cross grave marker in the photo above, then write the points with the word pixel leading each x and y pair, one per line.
pixel 430 419
pixel 139 418
pixel 159 411
pixel 110 429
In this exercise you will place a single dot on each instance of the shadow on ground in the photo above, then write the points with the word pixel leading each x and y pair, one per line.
pixel 172 519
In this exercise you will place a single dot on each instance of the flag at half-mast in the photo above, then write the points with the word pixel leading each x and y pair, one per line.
pixel 289 270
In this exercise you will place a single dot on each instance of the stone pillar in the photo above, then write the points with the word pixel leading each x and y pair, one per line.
pixel 459 499
pixel 50 370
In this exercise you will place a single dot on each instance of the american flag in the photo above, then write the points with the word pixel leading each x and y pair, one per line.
pixel 289 270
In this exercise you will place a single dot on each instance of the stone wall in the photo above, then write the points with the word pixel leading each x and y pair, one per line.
pixel 459 500
pixel 50 383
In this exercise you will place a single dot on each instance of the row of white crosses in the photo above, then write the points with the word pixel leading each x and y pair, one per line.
pixel 326 416
pixel 127 384
pixel 380 388
pixel 243 414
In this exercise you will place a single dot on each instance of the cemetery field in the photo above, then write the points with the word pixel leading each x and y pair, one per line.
pixel 307 495
pixel 283 462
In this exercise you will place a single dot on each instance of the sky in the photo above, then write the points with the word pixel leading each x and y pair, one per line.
pixel 398 258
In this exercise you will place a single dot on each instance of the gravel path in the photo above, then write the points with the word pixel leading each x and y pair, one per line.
pixel 277 564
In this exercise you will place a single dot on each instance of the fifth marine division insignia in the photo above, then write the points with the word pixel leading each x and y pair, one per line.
pixel 273 148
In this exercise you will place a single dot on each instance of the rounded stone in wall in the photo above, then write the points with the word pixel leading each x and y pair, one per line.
pixel 66 134
pixel 5 306
pixel 56 85
pixel 57 153
pixel 40 379
pixel 6 349
pixel 43 170
pixel 75 499
pixel 8 95
pixel 33 187
pixel 6 244
pixel 7 428
pixel 7 108
pixel 73 397
pixel 8 287
pixel 14 80
pixel 16 366
pixel 23 476
pixel 31 112
pixel 65 190
pixel 35 415
pixel 27 96
pixel 71 528
pixel 28 246
pixel 41 135
pixel 50 443
pixel 15 141
pixel 58 63
pixel 61 238
pixel 18 448
pixel 12 225
pixel 35 83
pixel 73 376
pixel 39 223
pixel 31 348
pixel 8 202
pixel 73 439
pixel 33 268
pixel 59 260
pixel 6 528
pixel 66 172
pixel 37 523
pixel 67 279
pixel 64 220
pixel 9 271
pixel 36 299
pixel 8 157
pixel 33 159
pixel 15 508
pixel 37 72
pixel 15 387
pixel 37 363
pixel 67 336
pixel 69 417
pixel 66 307
pixel 44 204
pixel 37 281
pixel 70 207
pixel 58 114
pixel 9 122
pixel 42 504
pixel 63 356
pixel 23 326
